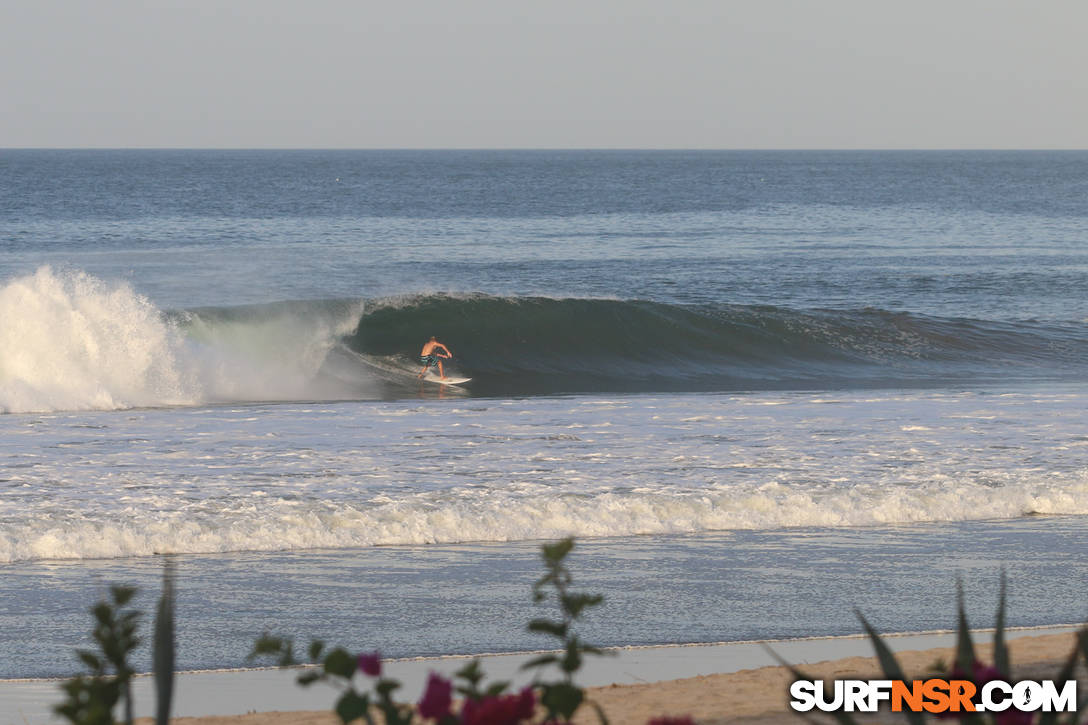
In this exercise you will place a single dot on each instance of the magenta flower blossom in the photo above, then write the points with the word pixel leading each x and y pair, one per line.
pixel 669 720
pixel 437 698
pixel 371 664
pixel 500 709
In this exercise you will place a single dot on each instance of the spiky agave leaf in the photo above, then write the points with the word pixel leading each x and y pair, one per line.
pixel 162 647
pixel 841 717
pixel 888 664
pixel 1001 649
pixel 965 648
pixel 1065 674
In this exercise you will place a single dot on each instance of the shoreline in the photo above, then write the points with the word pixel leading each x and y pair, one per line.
pixel 1018 631
pixel 708 678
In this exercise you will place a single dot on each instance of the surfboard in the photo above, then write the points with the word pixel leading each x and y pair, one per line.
pixel 431 377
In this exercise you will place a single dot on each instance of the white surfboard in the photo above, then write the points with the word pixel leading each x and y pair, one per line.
pixel 431 377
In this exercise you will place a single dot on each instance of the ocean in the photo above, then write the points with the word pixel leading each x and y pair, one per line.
pixel 760 388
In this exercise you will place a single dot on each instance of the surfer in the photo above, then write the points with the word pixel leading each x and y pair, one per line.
pixel 430 355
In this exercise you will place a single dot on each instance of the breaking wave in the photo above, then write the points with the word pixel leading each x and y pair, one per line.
pixel 465 515
pixel 69 341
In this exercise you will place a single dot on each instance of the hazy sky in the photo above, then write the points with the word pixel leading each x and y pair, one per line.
pixel 554 73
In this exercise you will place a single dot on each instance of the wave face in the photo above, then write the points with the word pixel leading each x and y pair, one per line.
pixel 73 342
pixel 519 346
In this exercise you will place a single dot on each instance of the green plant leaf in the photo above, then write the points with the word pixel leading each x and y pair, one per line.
pixel 122 595
pixel 91 660
pixel 540 661
pixel 1064 674
pixel 889 664
pixel 841 717
pixel 546 626
pixel 308 678
pixel 315 650
pixel 103 612
pixel 496 688
pixel 470 672
pixel 162 647
pixel 266 644
pixel 1082 644
pixel 573 604
pixel 572 660
pixel 555 553
pixel 385 688
pixel 352 706
pixel 965 648
pixel 1001 649
pixel 340 663
pixel 561 699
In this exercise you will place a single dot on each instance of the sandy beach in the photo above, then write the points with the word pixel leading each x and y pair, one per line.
pixel 747 696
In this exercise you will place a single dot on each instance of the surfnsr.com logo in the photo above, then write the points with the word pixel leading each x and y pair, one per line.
pixel 933 696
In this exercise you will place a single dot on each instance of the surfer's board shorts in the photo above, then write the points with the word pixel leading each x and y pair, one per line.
pixel 428 360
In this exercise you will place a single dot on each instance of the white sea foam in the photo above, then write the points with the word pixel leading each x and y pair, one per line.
pixel 70 341
pixel 262 523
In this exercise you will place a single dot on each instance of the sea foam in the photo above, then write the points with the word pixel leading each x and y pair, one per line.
pixel 465 515
pixel 71 341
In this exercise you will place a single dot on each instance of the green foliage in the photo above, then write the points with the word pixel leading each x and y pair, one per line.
pixel 1001 649
pixel 337 668
pixel 90 699
pixel 890 665
pixel 339 663
pixel 473 676
pixel 562 697
pixel 965 648
pixel 283 649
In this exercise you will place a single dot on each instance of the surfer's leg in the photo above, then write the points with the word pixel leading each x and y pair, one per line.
pixel 441 373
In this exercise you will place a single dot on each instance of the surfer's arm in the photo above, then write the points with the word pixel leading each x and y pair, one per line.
pixel 448 353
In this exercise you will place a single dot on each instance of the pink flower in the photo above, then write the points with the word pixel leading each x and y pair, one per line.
pixel 526 703
pixel 669 720
pixel 499 709
pixel 371 664
pixel 437 697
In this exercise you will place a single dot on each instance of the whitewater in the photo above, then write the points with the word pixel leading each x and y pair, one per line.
pixel 346 475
